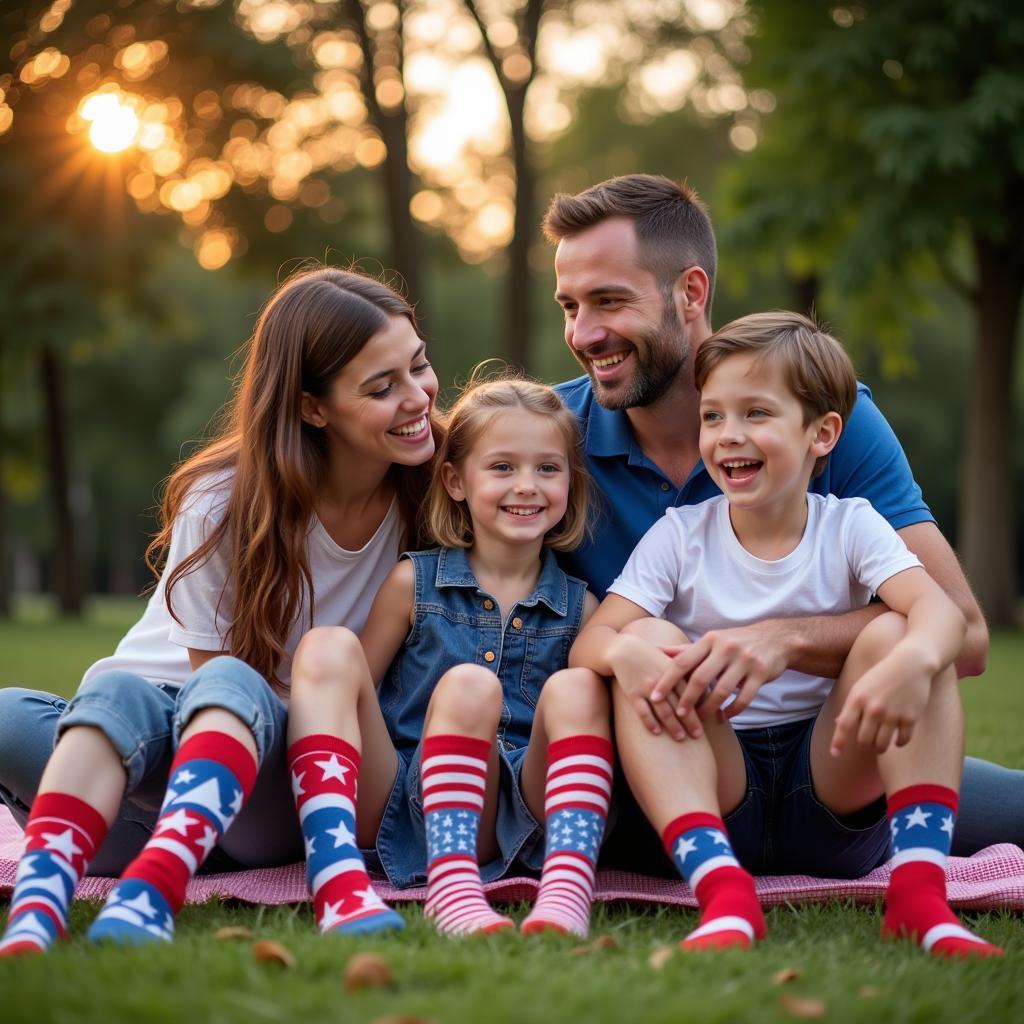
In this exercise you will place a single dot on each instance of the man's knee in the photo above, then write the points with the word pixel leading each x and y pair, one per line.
pixel 655 631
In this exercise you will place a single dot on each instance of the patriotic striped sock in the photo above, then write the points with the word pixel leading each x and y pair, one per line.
pixel 730 913
pixel 921 820
pixel 454 779
pixel 579 784
pixel 61 837
pixel 325 772
pixel 211 776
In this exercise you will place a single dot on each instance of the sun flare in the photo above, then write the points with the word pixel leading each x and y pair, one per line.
pixel 114 125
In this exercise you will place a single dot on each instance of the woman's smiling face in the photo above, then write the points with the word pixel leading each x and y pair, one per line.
pixel 378 406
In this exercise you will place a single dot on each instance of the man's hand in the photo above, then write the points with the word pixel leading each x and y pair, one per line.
pixel 731 661
pixel 640 669
pixel 884 704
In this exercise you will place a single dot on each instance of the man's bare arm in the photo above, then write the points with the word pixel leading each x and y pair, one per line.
pixel 939 559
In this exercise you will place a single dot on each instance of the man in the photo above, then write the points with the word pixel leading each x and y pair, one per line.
pixel 635 266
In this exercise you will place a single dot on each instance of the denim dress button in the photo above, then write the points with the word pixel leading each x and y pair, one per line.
pixel 489 656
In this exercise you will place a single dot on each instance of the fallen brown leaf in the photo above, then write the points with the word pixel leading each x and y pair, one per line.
pixel 661 956
pixel 234 932
pixel 267 951
pixel 805 1007
pixel 605 942
pixel 785 976
pixel 367 970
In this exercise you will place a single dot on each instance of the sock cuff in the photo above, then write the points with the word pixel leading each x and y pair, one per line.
pixel 696 819
pixel 449 743
pixel 73 808
pixel 323 743
pixel 212 745
pixel 923 793
pixel 571 746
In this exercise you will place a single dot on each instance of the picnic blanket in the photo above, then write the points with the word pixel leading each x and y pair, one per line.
pixel 991 879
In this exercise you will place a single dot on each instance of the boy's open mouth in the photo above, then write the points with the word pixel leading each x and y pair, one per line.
pixel 741 469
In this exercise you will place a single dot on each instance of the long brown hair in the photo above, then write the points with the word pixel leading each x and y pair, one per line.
pixel 315 323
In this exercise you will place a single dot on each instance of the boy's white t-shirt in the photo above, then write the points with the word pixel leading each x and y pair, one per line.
pixel 690 569
pixel 344 583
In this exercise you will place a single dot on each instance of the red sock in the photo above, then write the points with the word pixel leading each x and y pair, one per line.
pixel 921 819
pixel 730 913
pixel 454 780
pixel 325 773
pixel 576 795
pixel 211 777
pixel 61 837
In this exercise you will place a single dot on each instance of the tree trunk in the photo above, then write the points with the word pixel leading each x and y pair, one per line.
pixel 519 300
pixel 393 126
pixel 67 578
pixel 406 255
pixel 987 540
pixel 805 290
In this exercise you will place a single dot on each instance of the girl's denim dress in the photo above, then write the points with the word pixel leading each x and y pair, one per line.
pixel 456 622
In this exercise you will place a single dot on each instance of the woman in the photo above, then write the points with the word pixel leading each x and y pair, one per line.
pixel 179 741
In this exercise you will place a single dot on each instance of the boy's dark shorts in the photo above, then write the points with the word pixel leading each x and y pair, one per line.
pixel 780 826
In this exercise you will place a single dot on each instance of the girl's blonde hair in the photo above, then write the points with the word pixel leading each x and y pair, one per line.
pixel 474 410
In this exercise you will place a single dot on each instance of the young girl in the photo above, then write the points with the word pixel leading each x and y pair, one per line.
pixel 490 734
pixel 177 743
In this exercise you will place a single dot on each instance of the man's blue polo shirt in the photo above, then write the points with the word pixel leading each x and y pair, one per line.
pixel 633 493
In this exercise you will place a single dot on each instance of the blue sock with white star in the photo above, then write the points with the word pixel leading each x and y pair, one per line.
pixel 921 821
pixel 211 776
pixel 731 916
pixel 61 836
pixel 576 794
pixel 325 772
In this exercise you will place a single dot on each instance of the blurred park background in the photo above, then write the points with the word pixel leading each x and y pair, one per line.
pixel 163 163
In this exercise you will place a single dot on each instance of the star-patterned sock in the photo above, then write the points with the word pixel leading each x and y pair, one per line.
pixel 325 773
pixel 454 780
pixel 921 820
pixel 576 794
pixel 61 836
pixel 730 913
pixel 211 777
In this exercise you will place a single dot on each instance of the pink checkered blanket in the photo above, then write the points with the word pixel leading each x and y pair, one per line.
pixel 991 879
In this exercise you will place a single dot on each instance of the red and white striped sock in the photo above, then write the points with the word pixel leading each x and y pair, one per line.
pixel 921 820
pixel 576 795
pixel 211 777
pixel 454 780
pixel 325 772
pixel 730 913
pixel 62 835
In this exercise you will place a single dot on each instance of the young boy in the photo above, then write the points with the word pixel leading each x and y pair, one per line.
pixel 800 765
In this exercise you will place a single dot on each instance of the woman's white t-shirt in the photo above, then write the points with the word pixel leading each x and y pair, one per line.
pixel 344 583
pixel 690 569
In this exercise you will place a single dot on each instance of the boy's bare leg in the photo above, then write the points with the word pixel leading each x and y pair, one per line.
pixel 921 780
pixel 567 781
pixel 684 786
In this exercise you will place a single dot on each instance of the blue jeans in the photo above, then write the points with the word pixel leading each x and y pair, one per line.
pixel 144 722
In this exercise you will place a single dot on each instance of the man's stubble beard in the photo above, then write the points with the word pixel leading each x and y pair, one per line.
pixel 665 354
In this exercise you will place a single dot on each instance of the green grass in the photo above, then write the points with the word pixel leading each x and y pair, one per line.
pixel 834 948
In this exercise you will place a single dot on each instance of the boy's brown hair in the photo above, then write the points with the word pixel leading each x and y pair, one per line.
pixel 673 229
pixel 814 365
pixel 481 401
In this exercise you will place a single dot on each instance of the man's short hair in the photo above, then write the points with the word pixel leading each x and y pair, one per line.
pixel 814 365
pixel 673 229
